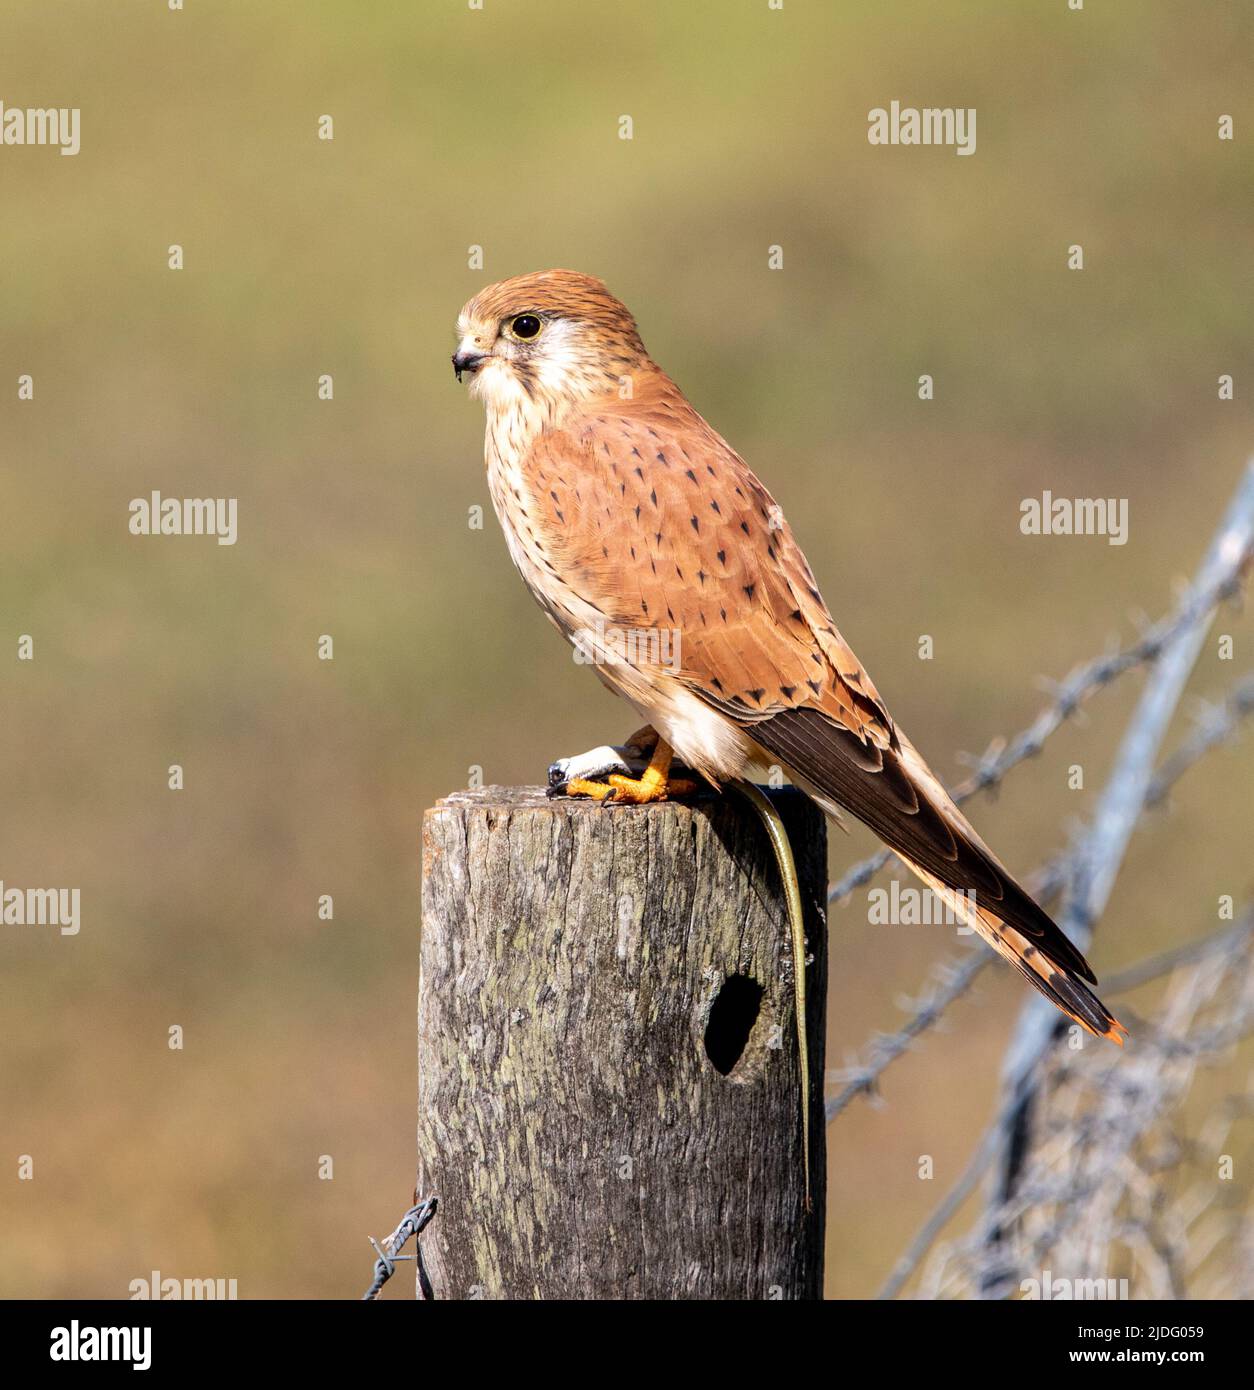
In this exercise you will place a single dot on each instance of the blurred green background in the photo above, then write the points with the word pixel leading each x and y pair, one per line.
pixel 499 128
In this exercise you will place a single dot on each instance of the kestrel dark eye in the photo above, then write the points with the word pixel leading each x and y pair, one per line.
pixel 525 327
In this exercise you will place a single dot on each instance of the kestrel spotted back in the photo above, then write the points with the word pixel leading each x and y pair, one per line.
pixel 624 511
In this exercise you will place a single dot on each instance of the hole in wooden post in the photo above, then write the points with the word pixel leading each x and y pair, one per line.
pixel 732 1016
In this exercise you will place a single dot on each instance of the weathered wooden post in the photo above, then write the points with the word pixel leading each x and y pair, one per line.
pixel 609 1101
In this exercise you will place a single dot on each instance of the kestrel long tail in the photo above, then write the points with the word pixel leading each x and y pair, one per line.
pixel 626 513
pixel 896 794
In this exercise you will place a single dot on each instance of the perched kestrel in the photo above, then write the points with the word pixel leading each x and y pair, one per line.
pixel 652 546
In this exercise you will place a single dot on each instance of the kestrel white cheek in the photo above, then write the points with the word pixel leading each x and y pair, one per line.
pixel 558 356
pixel 496 384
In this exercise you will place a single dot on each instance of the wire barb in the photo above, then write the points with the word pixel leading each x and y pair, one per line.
pixel 413 1223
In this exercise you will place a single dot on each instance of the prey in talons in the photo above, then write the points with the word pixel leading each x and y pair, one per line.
pixel 637 772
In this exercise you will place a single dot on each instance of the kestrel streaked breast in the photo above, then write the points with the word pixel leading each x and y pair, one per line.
pixel 653 547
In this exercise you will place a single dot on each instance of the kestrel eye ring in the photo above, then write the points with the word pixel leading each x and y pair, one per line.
pixel 525 327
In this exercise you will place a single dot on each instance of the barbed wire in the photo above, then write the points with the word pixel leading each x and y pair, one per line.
pixel 1215 722
pixel 1099 852
pixel 1219 722
pixel 1069 694
pixel 1229 943
pixel 413 1223
pixel 1077 1191
pixel 1106 1182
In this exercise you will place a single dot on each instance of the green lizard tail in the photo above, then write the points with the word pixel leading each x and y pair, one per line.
pixel 792 897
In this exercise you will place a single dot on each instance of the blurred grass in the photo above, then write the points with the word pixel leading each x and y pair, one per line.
pixel 499 128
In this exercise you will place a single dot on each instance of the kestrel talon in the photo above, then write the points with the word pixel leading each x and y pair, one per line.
pixel 626 513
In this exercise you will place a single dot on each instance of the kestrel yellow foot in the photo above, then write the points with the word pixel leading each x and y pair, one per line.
pixel 581 786
pixel 621 774
pixel 655 783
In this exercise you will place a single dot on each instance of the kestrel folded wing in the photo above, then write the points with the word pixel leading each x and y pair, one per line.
pixel 661 525
pixel 657 523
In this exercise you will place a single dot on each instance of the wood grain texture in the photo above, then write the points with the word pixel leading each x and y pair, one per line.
pixel 570 1119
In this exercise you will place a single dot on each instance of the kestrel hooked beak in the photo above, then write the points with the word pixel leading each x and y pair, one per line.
pixel 652 546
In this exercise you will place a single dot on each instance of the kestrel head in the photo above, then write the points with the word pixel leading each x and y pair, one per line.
pixel 552 337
